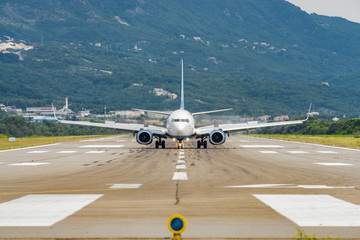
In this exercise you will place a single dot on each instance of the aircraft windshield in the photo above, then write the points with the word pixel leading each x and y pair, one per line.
pixel 180 120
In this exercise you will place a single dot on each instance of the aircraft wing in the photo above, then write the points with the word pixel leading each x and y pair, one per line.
pixel 125 127
pixel 227 128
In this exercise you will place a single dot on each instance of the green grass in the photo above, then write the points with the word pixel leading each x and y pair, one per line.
pixel 39 140
pixel 349 141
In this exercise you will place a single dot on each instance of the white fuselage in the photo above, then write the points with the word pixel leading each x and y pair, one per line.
pixel 180 124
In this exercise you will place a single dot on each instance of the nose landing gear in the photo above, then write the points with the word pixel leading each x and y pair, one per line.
pixel 180 145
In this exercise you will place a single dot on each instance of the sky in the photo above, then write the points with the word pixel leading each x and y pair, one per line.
pixel 349 9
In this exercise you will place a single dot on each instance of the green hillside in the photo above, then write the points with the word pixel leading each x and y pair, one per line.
pixel 257 56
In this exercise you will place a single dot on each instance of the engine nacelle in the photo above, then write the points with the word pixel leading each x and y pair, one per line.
pixel 217 137
pixel 144 137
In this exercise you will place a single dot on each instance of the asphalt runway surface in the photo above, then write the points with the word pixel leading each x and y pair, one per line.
pixel 116 188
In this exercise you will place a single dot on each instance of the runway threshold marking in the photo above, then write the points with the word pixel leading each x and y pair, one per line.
pixel 42 210
pixel 314 210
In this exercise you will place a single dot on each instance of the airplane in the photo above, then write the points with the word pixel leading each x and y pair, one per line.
pixel 180 126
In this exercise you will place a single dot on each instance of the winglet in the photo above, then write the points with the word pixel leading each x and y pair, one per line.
pixel 52 107
pixel 182 86
pixel 308 114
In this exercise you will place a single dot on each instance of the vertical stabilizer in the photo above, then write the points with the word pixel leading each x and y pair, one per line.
pixel 182 86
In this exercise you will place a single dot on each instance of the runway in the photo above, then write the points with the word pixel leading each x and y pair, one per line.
pixel 116 188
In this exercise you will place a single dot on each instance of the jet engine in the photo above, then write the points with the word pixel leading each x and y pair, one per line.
pixel 217 137
pixel 144 137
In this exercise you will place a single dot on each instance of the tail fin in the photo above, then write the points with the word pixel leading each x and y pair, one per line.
pixel 182 86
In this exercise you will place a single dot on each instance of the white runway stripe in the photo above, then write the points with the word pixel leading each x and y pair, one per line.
pixel 181 157
pixel 334 164
pixel 290 186
pixel 180 161
pixel 261 146
pixel 314 210
pixel 38 152
pixel 297 152
pixel 126 186
pixel 102 146
pixel 180 166
pixel 42 210
pixel 27 164
pixel 66 152
pixel 261 186
pixel 95 152
pixel 326 152
pixel 180 176
pixel 270 152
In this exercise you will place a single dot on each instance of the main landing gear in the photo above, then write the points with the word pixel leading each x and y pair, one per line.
pixel 160 143
pixel 202 143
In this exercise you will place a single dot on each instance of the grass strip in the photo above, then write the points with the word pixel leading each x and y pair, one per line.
pixel 40 140
pixel 348 141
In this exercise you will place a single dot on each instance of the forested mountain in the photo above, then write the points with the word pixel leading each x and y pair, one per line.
pixel 257 56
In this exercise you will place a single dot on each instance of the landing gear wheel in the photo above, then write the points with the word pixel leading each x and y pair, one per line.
pixel 198 144
pixel 163 144
pixel 205 144
pixel 157 144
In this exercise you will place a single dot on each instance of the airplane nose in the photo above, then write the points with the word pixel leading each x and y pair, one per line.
pixel 181 129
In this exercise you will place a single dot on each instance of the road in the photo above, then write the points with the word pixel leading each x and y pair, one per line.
pixel 116 188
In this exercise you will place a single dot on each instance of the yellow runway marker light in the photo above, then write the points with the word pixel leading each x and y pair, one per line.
pixel 177 225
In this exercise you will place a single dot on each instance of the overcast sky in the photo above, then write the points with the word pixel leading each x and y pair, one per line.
pixel 349 9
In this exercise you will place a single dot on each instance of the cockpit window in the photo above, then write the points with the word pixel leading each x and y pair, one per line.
pixel 181 120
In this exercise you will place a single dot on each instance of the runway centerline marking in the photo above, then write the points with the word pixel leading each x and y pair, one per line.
pixel 261 146
pixel 181 161
pixel 27 164
pixel 314 210
pixel 182 176
pixel 42 210
pixel 180 166
pixel 181 157
pixel 334 164
pixel 102 146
